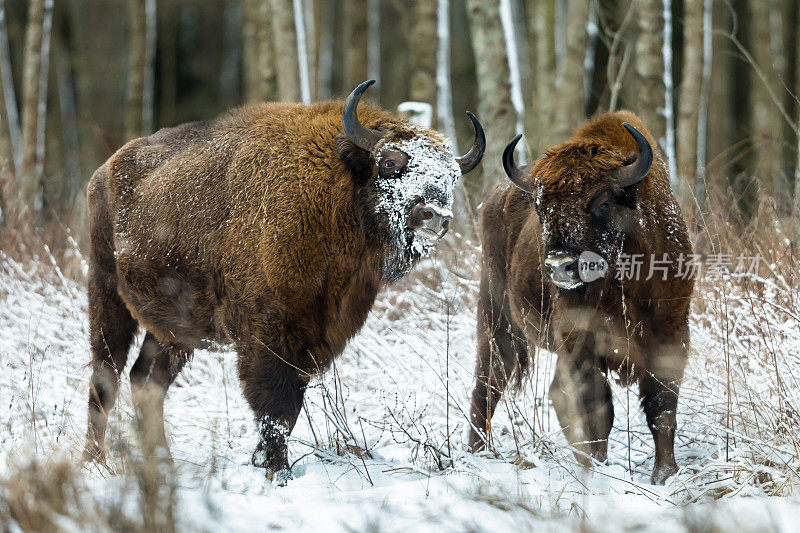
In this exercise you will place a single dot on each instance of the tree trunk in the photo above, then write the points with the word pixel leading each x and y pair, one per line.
pixel 41 106
pixel 571 102
pixel 515 75
pixel 541 21
pixel 259 52
pixel 302 51
pixel 266 71
pixel 423 45
pixel 796 203
pixel 137 41
pixel 700 188
pixel 23 202
pixel 285 48
pixel 669 91
pixel 325 37
pixel 650 66
pixel 9 119
pixel 149 80
pixel 72 180
pixel 689 103
pixel 764 112
pixel 495 109
pixel 374 40
pixel 355 32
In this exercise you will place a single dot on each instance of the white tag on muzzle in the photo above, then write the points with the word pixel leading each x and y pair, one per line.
pixel 591 266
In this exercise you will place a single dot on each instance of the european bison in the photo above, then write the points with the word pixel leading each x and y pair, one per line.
pixel 271 228
pixel 595 194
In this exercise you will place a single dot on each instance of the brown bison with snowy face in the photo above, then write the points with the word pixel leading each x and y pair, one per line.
pixel 598 200
pixel 271 228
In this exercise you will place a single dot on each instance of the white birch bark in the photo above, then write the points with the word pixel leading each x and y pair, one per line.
pixel 41 105
pixel 669 111
pixel 9 96
pixel 302 51
pixel 515 79
pixel 149 66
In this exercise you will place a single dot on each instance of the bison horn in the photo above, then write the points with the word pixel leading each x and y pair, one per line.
pixel 362 137
pixel 636 170
pixel 471 159
pixel 518 176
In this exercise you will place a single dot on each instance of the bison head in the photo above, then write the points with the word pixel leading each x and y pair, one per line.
pixel 411 172
pixel 584 195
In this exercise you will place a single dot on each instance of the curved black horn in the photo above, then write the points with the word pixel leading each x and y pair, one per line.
pixel 518 176
pixel 363 137
pixel 636 170
pixel 471 159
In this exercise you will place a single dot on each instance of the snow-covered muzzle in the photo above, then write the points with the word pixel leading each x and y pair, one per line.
pixel 417 202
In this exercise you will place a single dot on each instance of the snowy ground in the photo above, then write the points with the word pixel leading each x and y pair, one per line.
pixel 381 442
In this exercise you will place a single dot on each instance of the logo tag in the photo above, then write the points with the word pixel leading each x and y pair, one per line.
pixel 591 266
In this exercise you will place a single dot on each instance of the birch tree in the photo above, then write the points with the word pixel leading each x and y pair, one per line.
pixel 689 103
pixel 541 28
pixel 137 42
pixel 571 101
pixel 258 52
pixel 422 47
pixel 9 119
pixel 796 203
pixel 149 81
pixel 650 66
pixel 28 183
pixel 495 109
pixel 285 47
pixel 355 32
pixel 764 111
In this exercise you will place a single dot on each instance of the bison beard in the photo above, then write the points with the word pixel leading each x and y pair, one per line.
pixel 267 228
pixel 597 192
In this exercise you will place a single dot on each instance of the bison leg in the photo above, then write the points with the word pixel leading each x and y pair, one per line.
pixel 581 397
pixel 275 393
pixel 153 372
pixel 658 388
pixel 498 353
pixel 111 326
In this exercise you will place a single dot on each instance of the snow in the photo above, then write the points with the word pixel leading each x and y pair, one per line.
pixel 382 440
pixel 429 175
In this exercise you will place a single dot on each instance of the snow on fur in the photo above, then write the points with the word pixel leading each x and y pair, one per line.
pixel 430 175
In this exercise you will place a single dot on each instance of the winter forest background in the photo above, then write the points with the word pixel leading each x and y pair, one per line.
pixel 715 80
pixel 381 443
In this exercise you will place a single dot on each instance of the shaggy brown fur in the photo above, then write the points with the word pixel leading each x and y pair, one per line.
pixel 258 229
pixel 638 328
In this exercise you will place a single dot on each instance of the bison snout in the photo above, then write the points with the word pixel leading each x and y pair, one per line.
pixel 563 270
pixel 430 221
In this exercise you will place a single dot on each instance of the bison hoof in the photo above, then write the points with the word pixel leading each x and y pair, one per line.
pixel 275 462
pixel 662 472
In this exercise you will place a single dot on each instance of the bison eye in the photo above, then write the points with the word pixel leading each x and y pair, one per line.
pixel 392 162
pixel 601 205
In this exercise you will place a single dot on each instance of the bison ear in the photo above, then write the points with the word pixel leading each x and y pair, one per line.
pixel 355 158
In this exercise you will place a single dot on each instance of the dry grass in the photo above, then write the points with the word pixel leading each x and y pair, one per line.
pixel 395 405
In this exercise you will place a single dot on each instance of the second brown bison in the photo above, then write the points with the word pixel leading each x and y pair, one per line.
pixel 601 192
